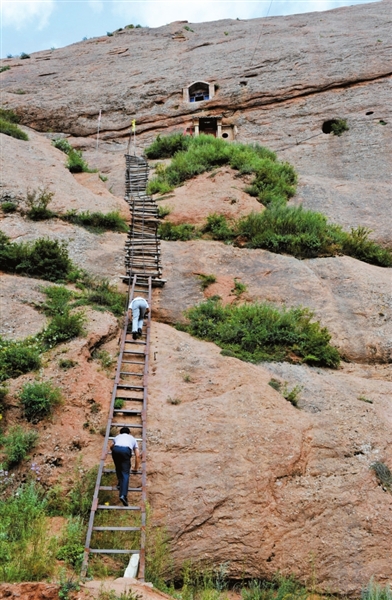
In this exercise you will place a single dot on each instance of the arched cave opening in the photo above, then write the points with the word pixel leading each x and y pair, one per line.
pixel 198 92
pixel 327 125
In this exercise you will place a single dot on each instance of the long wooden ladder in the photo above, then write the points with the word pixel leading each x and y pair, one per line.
pixel 115 529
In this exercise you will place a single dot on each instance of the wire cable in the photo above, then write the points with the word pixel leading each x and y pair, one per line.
pixel 254 52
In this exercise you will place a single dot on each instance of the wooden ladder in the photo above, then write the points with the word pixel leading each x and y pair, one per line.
pixel 114 528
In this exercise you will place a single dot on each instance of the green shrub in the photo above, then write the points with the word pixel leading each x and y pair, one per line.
pixel 118 403
pixel 12 130
pixel 27 552
pixel 166 146
pixel 63 327
pixel 67 363
pixel 163 211
pixel 183 232
pixel 38 400
pixel 4 68
pixel 72 543
pixel 58 298
pixel 357 244
pixel 97 221
pixel 80 496
pixel 76 163
pixel 274 181
pixel 262 332
pixel 18 357
pixel 8 115
pixel 375 591
pixel 38 201
pixel 17 444
pixel 218 227
pixel 383 474
pixel 206 280
pixel 43 258
pixel 24 55
pixel 8 207
pixel 239 288
pixel 339 126
pixel 281 588
pixel 101 293
pixel 62 144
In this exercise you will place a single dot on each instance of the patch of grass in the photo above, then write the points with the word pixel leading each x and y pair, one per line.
pixel 174 401
pixel 76 162
pixel 364 399
pixel 12 130
pixel 43 258
pixel 291 395
pixel 183 232
pixel 163 211
pixel 307 234
pixel 24 55
pixel 63 327
pixel 27 551
pixel 39 399
pixel 37 202
pixel 18 357
pixel 383 475
pixel 206 280
pixel 340 126
pixel 9 115
pixel 97 222
pixel 239 288
pixel 67 363
pixel 17 444
pixel 279 589
pixel 166 146
pixel 275 384
pixel 262 332
pixel 62 144
pixel 187 28
pixel 105 358
pixel 4 68
pixel 71 546
pixel 155 186
pixel 101 294
pixel 218 227
pixel 8 207
pixel 375 591
pixel 274 181
pixel 119 404
pixel 103 177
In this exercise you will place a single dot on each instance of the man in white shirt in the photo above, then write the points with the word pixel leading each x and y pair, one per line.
pixel 122 447
pixel 139 307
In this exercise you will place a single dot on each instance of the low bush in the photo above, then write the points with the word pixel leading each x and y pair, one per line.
pixel 63 327
pixel 262 332
pixel 383 474
pixel 4 68
pixel 280 588
pixel 18 357
pixel 17 444
pixel 307 234
pixel 206 280
pixel 62 144
pixel 37 202
pixel 24 55
pixel 38 400
pixel 274 181
pixel 76 162
pixel 97 221
pixel 100 293
pixel 43 258
pixel 183 232
pixel 57 301
pixel 166 146
pixel 9 115
pixel 67 363
pixel 71 546
pixel 340 126
pixel 375 591
pixel 27 551
pixel 12 130
pixel 163 211
pixel 218 227
pixel 8 207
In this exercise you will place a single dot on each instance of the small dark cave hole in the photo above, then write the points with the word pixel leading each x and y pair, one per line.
pixel 370 112
pixel 243 83
pixel 225 135
pixel 327 125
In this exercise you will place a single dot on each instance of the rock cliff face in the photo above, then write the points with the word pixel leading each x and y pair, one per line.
pixel 236 474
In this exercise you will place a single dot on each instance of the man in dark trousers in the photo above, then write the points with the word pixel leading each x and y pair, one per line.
pixel 123 446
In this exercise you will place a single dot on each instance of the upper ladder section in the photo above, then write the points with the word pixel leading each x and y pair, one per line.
pixel 142 249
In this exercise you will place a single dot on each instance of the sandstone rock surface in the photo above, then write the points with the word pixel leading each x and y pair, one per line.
pixel 238 476
pixel 348 296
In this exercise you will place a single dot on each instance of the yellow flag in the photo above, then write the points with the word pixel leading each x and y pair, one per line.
pixel 133 125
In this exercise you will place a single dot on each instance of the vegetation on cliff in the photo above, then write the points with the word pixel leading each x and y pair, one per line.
pixel 263 332
pixel 8 125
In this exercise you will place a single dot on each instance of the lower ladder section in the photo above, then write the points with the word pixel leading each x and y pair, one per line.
pixel 115 529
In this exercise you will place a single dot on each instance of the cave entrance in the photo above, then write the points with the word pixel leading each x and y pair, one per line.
pixel 208 125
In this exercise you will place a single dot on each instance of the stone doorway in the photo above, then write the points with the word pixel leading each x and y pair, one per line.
pixel 208 126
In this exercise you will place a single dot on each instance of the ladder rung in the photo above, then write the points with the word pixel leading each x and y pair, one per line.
pixel 116 528
pixel 111 488
pixel 99 551
pixel 125 386
pixel 132 362
pixel 134 342
pixel 105 507
pixel 126 425
pixel 137 413
pixel 133 374
pixel 133 352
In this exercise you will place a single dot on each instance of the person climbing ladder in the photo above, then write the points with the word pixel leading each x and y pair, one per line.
pixel 139 307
